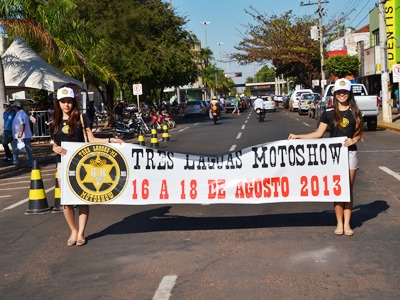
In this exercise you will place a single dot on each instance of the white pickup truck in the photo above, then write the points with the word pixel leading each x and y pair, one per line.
pixel 369 105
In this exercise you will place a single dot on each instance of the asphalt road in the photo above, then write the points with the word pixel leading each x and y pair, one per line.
pixel 271 251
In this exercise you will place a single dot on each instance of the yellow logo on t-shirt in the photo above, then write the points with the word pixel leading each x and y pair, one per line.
pixel 345 122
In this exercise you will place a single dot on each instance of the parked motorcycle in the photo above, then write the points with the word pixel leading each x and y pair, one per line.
pixel 135 126
pixel 260 113
pixel 122 128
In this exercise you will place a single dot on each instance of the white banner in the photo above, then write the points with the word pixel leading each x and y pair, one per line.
pixel 283 171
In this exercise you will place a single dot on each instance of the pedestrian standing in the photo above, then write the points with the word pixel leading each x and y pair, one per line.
pixel 67 126
pixel 119 110
pixel 22 134
pixel 343 119
pixel 236 105
pixel 397 100
pixel 91 111
pixel 8 117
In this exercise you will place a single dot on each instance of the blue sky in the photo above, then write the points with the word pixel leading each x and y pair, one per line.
pixel 228 16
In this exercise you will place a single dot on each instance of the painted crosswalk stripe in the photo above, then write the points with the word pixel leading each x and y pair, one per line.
pixel 390 172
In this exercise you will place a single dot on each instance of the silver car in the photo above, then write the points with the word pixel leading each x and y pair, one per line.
pixel 305 101
pixel 269 103
pixel 195 108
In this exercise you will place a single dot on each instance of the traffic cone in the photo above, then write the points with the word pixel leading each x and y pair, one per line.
pixel 165 135
pixel 140 138
pixel 154 139
pixel 57 196
pixel 37 196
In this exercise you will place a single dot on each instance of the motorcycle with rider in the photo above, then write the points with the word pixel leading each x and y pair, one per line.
pixel 258 106
pixel 215 109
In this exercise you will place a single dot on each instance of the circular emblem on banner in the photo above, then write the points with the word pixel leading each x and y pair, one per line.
pixel 97 173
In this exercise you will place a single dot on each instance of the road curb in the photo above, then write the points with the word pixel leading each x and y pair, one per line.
pixel 389 127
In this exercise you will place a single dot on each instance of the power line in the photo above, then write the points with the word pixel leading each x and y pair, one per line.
pixel 361 10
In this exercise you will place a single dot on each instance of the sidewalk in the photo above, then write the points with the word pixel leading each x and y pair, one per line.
pixel 43 151
pixel 395 125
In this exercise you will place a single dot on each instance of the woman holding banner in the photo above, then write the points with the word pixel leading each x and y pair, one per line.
pixel 69 125
pixel 343 119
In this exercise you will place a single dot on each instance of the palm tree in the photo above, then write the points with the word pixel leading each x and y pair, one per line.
pixel 63 44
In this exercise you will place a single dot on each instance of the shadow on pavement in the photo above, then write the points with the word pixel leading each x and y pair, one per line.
pixel 159 220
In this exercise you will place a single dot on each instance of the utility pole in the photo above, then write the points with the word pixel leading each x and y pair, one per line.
pixel 321 41
pixel 216 73
pixel 385 80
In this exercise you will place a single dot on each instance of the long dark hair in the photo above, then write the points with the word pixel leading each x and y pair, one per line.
pixel 355 111
pixel 73 120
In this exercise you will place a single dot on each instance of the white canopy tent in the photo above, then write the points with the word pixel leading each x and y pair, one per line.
pixel 23 69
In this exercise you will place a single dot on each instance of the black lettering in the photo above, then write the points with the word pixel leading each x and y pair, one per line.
pixel 150 163
pixel 259 158
pixel 282 152
pixel 239 163
pixel 300 161
pixel 135 153
pixel 272 156
pixel 187 166
pixel 335 152
pixel 201 162
pixel 312 154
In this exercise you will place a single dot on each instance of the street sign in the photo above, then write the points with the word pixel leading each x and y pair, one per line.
pixel 396 73
pixel 137 89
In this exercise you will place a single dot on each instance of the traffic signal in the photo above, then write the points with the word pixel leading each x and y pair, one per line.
pixel 238 74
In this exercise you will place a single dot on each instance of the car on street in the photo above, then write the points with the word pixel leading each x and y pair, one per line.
pixel 313 105
pixel 285 101
pixel 305 102
pixel 295 97
pixel 278 99
pixel 195 108
pixel 229 107
pixel 269 103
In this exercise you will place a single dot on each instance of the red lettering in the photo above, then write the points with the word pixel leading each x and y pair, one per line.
pixel 164 190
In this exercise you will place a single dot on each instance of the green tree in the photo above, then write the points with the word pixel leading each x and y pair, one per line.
pixel 283 41
pixel 341 66
pixel 147 43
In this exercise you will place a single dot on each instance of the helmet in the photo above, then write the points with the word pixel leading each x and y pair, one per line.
pixel 214 98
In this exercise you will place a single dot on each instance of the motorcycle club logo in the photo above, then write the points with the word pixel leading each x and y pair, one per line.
pixel 345 122
pixel 97 173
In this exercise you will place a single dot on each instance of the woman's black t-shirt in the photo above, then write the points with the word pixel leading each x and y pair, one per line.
pixel 63 136
pixel 348 124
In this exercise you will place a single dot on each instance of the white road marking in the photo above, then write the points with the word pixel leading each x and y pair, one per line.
pixel 243 127
pixel 390 172
pixel 376 151
pixel 18 188
pixel 24 201
pixel 6 196
pixel 306 124
pixel 164 289
pixel 245 122
pixel 239 135
pixel 233 147
pixel 183 129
